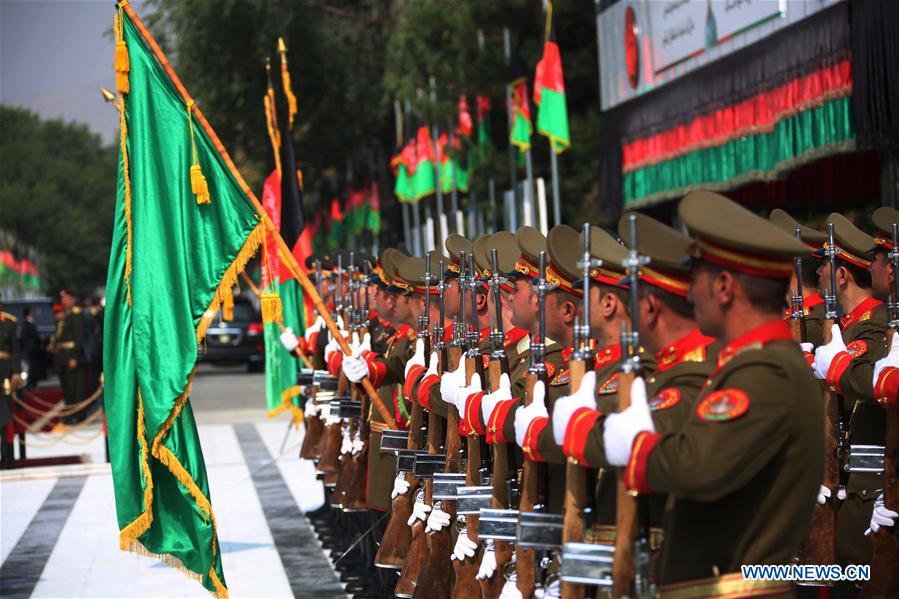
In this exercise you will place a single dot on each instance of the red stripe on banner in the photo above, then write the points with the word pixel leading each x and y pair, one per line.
pixel 549 72
pixel 755 115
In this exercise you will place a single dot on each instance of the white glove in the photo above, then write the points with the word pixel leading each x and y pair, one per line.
pixel 451 383
pixel 881 516
pixel 510 591
pixel 465 547
pixel 289 340
pixel 347 445
pixel 502 393
pixel 553 591
pixel 825 354
pixel 808 348
pixel 891 359
pixel 420 511
pixel 333 346
pixel 418 357
pixel 841 494
pixel 341 326
pixel 400 486
pixel 358 445
pixel 466 391
pixel 437 520
pixel 823 495
pixel 488 564
pixel 566 406
pixel 315 328
pixel 620 429
pixel 524 416
pixel 354 368
pixel 311 409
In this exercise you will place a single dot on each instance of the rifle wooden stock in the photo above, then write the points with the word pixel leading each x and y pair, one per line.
pixel 315 429
pixel 419 553
pixel 819 547
pixel 436 578
pixel 467 586
pixel 493 586
pixel 884 581
pixel 575 494
pixel 624 565
pixel 398 535
pixel 347 472
pixel 330 453
pixel 356 493
pixel 525 557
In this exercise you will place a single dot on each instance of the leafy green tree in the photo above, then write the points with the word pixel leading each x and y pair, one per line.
pixel 58 195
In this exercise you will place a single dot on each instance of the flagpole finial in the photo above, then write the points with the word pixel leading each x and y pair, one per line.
pixel 282 47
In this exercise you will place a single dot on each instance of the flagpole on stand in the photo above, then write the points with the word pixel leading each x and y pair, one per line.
pixel 454 197
pixel 442 225
pixel 510 113
pixel 416 208
pixel 557 200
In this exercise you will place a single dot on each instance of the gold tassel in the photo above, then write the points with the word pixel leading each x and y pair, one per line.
pixel 271 308
pixel 198 184
pixel 121 63
pixel 227 305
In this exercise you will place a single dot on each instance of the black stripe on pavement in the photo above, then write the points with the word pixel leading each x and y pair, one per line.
pixel 22 569
pixel 308 570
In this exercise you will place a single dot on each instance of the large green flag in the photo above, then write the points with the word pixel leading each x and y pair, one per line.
pixel 549 92
pixel 184 228
pixel 423 179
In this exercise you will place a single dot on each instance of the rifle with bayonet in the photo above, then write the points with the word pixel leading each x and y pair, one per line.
pixel 356 493
pixel 436 577
pixel 348 473
pixel 467 585
pixel 576 475
pixel 884 581
pixel 313 422
pixel 819 547
pixel 630 568
pixel 333 437
pixel 418 553
pixel 835 438
pixel 534 475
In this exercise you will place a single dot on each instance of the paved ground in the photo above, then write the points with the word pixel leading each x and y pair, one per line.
pixel 58 533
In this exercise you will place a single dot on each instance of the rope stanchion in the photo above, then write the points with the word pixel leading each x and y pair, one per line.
pixel 66 411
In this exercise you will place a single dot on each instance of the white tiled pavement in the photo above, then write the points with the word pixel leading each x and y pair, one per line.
pixel 86 560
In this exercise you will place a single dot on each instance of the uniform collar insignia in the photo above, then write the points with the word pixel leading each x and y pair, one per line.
pixel 608 355
pixel 861 312
pixel 776 330
pixel 682 350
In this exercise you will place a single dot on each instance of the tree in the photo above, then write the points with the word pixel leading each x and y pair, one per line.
pixel 58 195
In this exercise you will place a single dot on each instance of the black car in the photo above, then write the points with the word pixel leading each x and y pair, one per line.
pixel 239 340
pixel 44 322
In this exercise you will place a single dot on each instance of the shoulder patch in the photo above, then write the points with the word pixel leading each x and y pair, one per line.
pixel 523 345
pixel 865 316
pixel 563 377
pixel 857 348
pixel 666 398
pixel 723 405
pixel 610 385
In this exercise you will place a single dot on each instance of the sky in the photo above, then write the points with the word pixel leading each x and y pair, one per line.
pixel 55 56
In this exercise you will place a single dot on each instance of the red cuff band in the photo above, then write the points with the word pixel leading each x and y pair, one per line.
pixel 579 427
pixel 411 379
pixel 838 366
pixel 809 357
pixel 635 473
pixel 335 360
pixel 377 369
pixel 424 390
pixel 532 436
pixel 497 422
pixel 473 413
pixel 886 391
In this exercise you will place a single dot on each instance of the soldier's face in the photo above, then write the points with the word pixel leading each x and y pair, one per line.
pixel 706 307
pixel 883 277
pixel 451 298
pixel 524 305
pixel 326 290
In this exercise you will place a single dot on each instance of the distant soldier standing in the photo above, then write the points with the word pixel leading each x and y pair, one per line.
pixel 10 377
pixel 69 351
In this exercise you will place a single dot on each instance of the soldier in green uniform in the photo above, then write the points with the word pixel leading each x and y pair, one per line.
pixel 846 364
pixel 10 377
pixel 883 276
pixel 68 349
pixel 683 356
pixel 745 467
pixel 812 302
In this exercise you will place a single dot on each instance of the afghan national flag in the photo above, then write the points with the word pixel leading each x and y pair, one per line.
pixel 374 210
pixel 450 165
pixel 465 126
pixel 423 183
pixel 176 254
pixel 402 187
pixel 335 231
pixel 520 135
pixel 485 144
pixel 549 94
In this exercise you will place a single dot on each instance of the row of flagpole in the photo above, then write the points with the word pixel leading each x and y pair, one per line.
pixel 530 196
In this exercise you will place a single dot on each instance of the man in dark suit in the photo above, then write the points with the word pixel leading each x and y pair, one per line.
pixel 31 348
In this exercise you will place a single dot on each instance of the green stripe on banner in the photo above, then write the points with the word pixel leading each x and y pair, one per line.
pixel 552 119
pixel 821 131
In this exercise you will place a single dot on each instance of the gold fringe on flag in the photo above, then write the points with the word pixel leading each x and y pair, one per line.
pixel 227 304
pixel 198 184
pixel 121 63
pixel 271 307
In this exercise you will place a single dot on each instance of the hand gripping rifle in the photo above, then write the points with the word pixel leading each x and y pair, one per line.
pixel 418 553
pixel 884 580
pixel 435 580
pixel 576 475
pixel 534 475
pixel 632 556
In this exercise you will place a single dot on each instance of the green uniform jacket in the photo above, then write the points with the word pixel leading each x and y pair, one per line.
pixel 68 343
pixel 745 467
pixel 10 361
